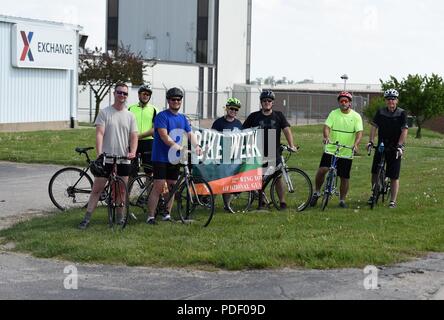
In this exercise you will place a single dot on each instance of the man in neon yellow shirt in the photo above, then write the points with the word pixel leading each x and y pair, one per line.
pixel 345 126
pixel 145 113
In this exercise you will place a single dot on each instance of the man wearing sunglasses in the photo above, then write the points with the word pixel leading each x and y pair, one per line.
pixel 343 125
pixel 169 128
pixel 390 123
pixel 228 123
pixel 145 113
pixel 273 123
pixel 116 134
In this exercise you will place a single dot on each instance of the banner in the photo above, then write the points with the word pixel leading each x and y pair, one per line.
pixel 231 160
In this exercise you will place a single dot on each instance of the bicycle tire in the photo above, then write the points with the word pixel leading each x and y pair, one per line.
pixel 303 189
pixel 70 188
pixel 192 207
pixel 139 189
pixel 327 190
pixel 118 201
pixel 240 202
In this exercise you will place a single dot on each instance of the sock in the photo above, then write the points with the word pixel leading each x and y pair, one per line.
pixel 87 216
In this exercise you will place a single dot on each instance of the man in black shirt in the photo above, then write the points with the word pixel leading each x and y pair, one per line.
pixel 229 121
pixel 272 122
pixel 391 124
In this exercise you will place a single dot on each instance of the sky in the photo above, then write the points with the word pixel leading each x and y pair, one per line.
pixel 319 40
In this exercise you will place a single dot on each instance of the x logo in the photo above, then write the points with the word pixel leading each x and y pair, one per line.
pixel 26 49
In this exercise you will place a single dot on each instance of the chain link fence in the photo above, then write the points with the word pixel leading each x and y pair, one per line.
pixel 204 107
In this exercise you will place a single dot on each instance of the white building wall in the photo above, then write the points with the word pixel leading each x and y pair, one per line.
pixel 232 46
pixel 164 21
pixel 31 95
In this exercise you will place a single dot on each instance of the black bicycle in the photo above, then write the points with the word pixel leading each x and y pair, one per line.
pixel 332 175
pixel 193 197
pixel 297 182
pixel 117 195
pixel 70 187
pixel 381 188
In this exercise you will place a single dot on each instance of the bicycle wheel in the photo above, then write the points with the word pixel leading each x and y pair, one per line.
pixel 302 189
pixel 328 189
pixel 69 188
pixel 239 202
pixel 195 204
pixel 118 206
pixel 139 189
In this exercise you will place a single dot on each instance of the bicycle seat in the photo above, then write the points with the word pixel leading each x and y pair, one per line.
pixel 83 150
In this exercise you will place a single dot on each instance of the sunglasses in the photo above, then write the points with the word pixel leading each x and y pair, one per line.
pixel 145 94
pixel 233 109
pixel 343 100
pixel 121 93
pixel 390 98
pixel 176 99
pixel 267 100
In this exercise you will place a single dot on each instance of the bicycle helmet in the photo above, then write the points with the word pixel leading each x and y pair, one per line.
pixel 267 94
pixel 145 88
pixel 233 102
pixel 345 94
pixel 391 93
pixel 174 92
pixel 97 168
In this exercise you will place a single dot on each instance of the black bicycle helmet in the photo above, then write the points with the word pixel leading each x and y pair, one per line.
pixel 145 88
pixel 174 92
pixel 97 168
pixel 267 94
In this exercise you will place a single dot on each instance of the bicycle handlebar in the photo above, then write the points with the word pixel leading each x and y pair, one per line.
pixel 284 147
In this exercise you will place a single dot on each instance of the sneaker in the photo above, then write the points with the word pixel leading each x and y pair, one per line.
pixel 392 204
pixel 370 200
pixel 83 225
pixel 283 206
pixel 342 204
pixel 151 221
pixel 314 199
pixel 166 217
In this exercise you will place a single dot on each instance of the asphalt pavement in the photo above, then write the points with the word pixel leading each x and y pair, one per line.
pixel 23 194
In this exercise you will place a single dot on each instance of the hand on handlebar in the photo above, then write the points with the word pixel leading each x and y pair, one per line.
pixel 325 141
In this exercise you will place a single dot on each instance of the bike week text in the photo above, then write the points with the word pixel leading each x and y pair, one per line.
pixel 227 147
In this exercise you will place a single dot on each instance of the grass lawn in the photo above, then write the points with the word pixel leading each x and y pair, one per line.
pixel 353 237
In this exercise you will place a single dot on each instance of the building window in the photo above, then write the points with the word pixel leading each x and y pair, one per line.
pixel 202 31
pixel 112 25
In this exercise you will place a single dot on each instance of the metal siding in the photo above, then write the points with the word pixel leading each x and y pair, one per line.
pixel 178 18
pixel 31 95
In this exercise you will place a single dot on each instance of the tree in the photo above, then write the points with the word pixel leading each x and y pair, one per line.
pixel 101 71
pixel 421 96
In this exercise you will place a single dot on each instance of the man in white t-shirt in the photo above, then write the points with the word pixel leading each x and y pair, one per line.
pixel 116 134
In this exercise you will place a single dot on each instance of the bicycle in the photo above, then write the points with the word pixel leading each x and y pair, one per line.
pixel 297 181
pixel 193 197
pixel 381 188
pixel 117 195
pixel 332 175
pixel 70 187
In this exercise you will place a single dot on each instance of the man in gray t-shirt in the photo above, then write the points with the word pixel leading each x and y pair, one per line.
pixel 116 134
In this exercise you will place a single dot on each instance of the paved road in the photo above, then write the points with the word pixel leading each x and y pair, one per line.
pixel 25 277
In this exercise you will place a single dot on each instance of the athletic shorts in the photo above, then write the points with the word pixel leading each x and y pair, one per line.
pixel 123 170
pixel 165 171
pixel 393 165
pixel 342 165
pixel 144 147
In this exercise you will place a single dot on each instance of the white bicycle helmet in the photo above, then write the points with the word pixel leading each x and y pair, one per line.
pixel 391 93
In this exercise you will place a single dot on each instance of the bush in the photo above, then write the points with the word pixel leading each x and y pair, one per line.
pixel 374 105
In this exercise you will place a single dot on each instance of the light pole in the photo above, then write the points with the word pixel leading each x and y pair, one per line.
pixel 345 78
